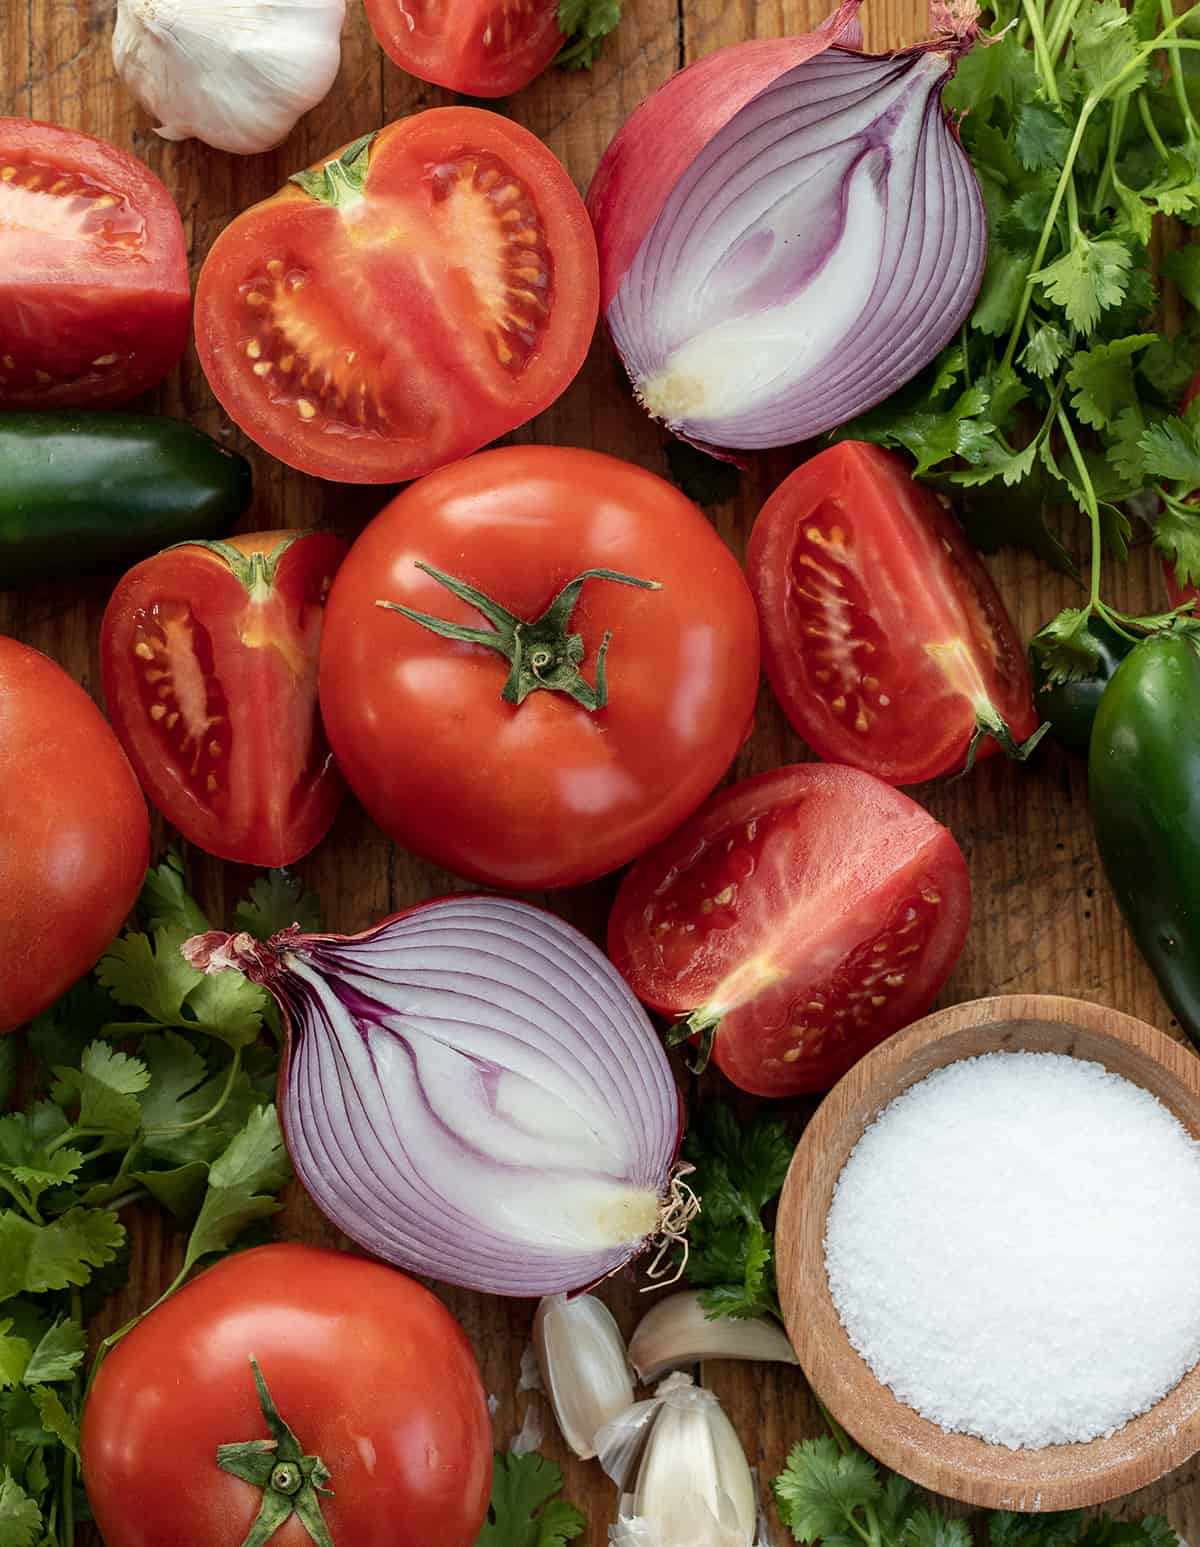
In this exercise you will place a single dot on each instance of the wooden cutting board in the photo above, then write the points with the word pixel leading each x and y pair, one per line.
pixel 1044 920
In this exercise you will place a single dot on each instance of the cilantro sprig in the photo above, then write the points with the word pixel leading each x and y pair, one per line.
pixel 525 1508
pixel 835 1493
pixel 1082 120
pixel 739 1170
pixel 171 1104
pixel 585 24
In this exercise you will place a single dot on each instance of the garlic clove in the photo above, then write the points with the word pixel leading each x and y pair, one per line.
pixel 585 1374
pixel 676 1332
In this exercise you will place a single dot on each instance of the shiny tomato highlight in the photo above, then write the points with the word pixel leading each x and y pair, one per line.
pixel 484 48
pixel 369 1371
pixel 883 636
pixel 209 655
pixel 795 921
pixel 74 834
pixel 399 305
pixel 544 791
pixel 95 303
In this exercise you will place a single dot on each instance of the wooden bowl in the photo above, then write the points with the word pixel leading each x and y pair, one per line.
pixel 959 1465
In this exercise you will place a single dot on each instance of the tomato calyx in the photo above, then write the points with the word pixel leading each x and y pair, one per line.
pixel 256 571
pixel 701 1023
pixel 341 179
pixel 990 722
pixel 290 1480
pixel 542 653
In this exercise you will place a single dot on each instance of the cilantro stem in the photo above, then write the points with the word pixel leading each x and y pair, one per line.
pixel 12 1186
pixel 235 1066
pixel 1041 52
pixel 1060 26
pixel 1151 127
pixel 1108 172
pixel 68 1463
pixel 1177 81
pixel 1090 504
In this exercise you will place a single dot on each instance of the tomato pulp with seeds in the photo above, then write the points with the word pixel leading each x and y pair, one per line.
pixel 795 921
pixel 209 655
pixel 399 305
pixel 74 836
pixel 883 636
pixel 485 48
pixel 94 296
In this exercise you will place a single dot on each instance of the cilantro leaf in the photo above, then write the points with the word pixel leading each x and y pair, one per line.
pixel 1123 446
pixel 58 1355
pixel 821 1490
pixel 14 1356
pixel 20 1518
pixel 1065 648
pixel 1047 346
pixel 1183 266
pixel 35 1258
pixel 1000 295
pixel 1041 136
pixel 107 1084
pixel 1101 379
pixel 151 977
pixel 1177 538
pixel 228 1006
pixel 165 902
pixel 173 1094
pixel 925 1528
pixel 276 902
pixel 585 24
pixel 1004 72
pixel 1172 450
pixel 524 1510
pixel 241 1186
pixel 180 1190
pixel 1106 45
pixel 1088 278
pixel 55 1418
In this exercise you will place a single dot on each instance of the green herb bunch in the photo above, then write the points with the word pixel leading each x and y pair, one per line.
pixel 172 1106
pixel 1082 120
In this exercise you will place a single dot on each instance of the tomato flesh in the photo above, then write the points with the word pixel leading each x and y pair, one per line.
pixel 884 638
pixel 401 326
pixel 485 48
pixel 74 836
pixel 211 685
pixel 94 296
pixel 808 913
pixel 370 1371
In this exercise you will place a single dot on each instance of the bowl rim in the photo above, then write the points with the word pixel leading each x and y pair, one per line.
pixel 962 1466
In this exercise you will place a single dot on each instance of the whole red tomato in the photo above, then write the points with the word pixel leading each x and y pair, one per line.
pixel 799 918
pixel 883 635
pixel 547 741
pixel 95 304
pixel 485 48
pixel 209 653
pixel 74 835
pixel 368 1370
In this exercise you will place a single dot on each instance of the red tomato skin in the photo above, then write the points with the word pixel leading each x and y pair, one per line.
pixel 418 330
pixel 58 296
pixel 824 907
pixel 544 794
pixel 369 1370
pixel 902 578
pixel 280 790
pixel 74 834
pixel 453 54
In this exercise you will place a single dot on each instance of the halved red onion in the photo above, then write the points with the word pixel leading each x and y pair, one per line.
pixel 788 232
pixel 470 1091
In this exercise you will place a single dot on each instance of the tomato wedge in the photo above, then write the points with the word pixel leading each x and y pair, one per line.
pixel 430 288
pixel 796 920
pixel 485 48
pixel 209 656
pixel 883 636
pixel 94 296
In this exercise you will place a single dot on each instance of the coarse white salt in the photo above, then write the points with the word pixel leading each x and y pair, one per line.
pixel 1013 1247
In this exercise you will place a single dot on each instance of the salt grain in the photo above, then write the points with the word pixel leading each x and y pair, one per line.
pixel 1014 1248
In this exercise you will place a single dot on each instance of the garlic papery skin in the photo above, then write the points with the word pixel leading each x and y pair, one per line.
pixel 585 1374
pixel 676 1332
pixel 693 1483
pixel 236 74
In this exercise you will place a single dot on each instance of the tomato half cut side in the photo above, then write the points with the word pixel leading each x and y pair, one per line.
pixel 394 308
pixel 485 48
pixel 794 922
pixel 884 639
pixel 209 658
pixel 94 297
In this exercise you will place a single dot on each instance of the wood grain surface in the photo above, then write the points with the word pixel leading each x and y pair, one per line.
pixel 1044 919
pixel 1057 1477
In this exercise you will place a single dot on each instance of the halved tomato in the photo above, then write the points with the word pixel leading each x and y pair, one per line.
pixel 94 296
pixel 485 48
pixel 883 636
pixel 430 288
pixel 796 920
pixel 209 656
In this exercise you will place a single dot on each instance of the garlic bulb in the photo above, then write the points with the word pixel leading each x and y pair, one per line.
pixel 581 1354
pixel 236 74
pixel 682 1471
pixel 676 1332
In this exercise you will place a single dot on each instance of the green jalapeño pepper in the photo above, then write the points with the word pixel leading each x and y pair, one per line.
pixel 1071 707
pixel 1144 790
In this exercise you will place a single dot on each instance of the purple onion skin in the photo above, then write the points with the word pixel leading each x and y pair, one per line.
pixel 264 964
